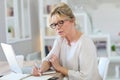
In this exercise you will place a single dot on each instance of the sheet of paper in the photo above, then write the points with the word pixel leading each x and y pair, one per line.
pixel 13 76
pixel 17 76
pixel 46 77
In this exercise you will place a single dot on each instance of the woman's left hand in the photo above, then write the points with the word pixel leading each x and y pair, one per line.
pixel 55 62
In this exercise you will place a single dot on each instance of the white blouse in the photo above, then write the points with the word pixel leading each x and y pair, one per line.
pixel 80 58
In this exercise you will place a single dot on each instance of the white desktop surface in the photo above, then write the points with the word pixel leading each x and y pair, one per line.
pixel 114 61
pixel 4 66
pixel 5 70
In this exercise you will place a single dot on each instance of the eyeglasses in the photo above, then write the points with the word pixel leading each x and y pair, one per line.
pixel 59 23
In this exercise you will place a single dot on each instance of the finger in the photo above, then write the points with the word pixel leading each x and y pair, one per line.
pixel 52 60
pixel 35 68
pixel 55 57
pixel 39 74
pixel 36 73
pixel 36 65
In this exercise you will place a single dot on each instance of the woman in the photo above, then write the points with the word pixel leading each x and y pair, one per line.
pixel 73 53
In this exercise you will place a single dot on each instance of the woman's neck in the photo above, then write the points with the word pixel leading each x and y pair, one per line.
pixel 73 36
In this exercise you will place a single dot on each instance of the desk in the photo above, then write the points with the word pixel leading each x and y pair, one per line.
pixel 114 68
pixel 4 68
pixel 115 59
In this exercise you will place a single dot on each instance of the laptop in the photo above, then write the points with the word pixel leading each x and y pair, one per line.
pixel 12 61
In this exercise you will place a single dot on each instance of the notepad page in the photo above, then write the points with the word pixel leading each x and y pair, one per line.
pixel 19 76
pixel 13 76
pixel 46 77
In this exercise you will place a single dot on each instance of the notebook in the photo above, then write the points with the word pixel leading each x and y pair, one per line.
pixel 12 61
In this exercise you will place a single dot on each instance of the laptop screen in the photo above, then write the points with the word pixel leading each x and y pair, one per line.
pixel 11 58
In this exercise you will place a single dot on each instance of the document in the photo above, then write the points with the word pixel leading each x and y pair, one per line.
pixel 19 76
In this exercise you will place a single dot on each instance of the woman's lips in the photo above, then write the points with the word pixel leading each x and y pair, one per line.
pixel 60 32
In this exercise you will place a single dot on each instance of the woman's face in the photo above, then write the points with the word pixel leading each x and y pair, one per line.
pixel 62 25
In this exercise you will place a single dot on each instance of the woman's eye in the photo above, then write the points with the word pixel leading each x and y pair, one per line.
pixel 61 22
pixel 53 24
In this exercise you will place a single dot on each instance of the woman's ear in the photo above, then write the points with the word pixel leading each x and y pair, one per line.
pixel 72 20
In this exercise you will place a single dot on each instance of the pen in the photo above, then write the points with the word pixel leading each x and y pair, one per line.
pixel 37 64
pixel 38 67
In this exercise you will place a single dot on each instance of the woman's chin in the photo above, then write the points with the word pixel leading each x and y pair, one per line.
pixel 61 35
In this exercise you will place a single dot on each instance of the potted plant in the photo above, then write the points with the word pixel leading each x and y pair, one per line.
pixel 113 48
pixel 9 30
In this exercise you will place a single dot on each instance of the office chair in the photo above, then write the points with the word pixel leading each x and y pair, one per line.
pixel 103 67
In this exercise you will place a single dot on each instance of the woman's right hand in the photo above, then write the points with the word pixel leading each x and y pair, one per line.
pixel 36 71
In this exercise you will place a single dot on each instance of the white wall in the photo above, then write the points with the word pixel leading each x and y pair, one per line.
pixel 35 25
pixel 2 26
pixel 106 18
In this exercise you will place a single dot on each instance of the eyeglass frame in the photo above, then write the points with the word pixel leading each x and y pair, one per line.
pixel 53 25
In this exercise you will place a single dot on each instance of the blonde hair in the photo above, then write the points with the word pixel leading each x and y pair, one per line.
pixel 62 9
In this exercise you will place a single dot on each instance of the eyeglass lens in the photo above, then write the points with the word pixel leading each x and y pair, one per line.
pixel 59 23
